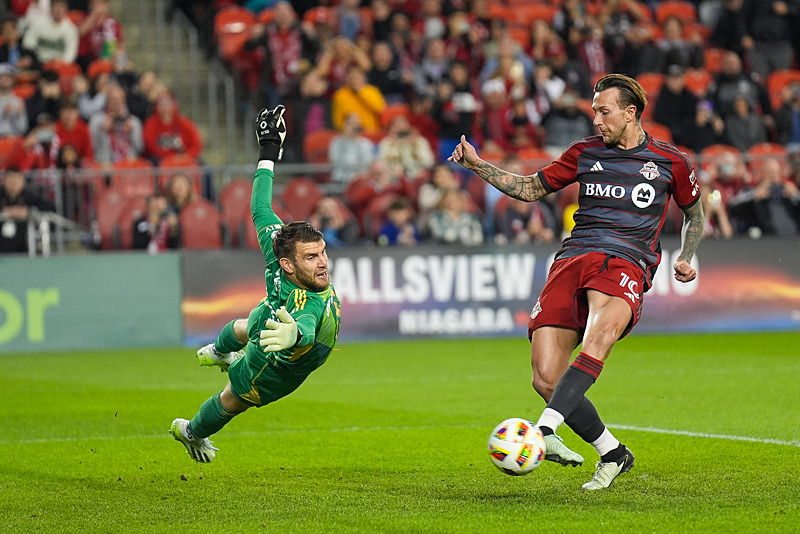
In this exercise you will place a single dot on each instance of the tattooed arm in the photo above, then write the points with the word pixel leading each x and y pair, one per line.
pixel 691 234
pixel 527 188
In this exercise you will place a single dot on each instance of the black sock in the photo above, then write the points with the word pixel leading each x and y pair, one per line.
pixel 571 388
pixel 546 431
pixel 616 456
pixel 585 421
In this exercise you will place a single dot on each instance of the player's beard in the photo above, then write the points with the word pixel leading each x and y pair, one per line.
pixel 310 280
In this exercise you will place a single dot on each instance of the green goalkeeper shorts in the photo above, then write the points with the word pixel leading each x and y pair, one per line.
pixel 258 378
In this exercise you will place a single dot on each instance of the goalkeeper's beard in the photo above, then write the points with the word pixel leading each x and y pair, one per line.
pixel 316 281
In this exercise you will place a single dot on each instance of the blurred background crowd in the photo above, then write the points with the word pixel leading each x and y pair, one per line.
pixel 377 93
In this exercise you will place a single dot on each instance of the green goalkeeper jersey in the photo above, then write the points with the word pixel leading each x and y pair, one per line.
pixel 317 313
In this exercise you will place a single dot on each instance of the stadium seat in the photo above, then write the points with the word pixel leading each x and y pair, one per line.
pixel 201 225
pixel 710 154
pixel 759 153
pixel 300 197
pixel 651 82
pixel 359 191
pixel 528 13
pixel 234 203
pixel 676 8
pixel 534 158
pixel 108 205
pixel 99 66
pixel 265 16
pixel 476 189
pixel 132 210
pixel 133 176
pixel 375 214
pixel 391 111
pixel 66 72
pixel 12 152
pixel 231 28
pixel 697 81
pixel 779 79
pixel 657 131
pixel 712 59
pixel 24 90
pixel 180 163
pixel 315 145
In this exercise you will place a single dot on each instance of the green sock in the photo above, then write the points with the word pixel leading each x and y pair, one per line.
pixel 227 341
pixel 210 418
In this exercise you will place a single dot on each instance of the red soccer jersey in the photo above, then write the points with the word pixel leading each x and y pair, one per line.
pixel 624 196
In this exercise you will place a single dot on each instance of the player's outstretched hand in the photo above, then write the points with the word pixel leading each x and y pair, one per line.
pixel 465 154
pixel 271 132
pixel 279 335
pixel 683 271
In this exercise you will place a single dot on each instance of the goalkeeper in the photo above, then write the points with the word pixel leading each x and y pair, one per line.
pixel 289 333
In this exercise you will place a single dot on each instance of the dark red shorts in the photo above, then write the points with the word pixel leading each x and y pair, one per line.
pixel 563 298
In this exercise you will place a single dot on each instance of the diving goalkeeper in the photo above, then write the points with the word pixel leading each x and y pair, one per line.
pixel 289 333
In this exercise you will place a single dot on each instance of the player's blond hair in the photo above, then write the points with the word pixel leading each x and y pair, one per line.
pixel 631 92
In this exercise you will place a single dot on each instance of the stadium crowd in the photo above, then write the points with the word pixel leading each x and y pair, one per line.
pixel 379 91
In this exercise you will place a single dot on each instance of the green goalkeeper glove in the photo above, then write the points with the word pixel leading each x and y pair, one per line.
pixel 281 335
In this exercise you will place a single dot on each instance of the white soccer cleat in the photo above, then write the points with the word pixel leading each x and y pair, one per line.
pixel 209 357
pixel 200 449
pixel 556 451
pixel 607 471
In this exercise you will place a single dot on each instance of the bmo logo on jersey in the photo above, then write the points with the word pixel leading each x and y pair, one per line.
pixel 605 190
pixel 642 194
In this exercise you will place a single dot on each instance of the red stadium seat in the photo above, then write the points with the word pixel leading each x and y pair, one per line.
pixel 651 82
pixel 66 73
pixel 231 29
pixel 134 176
pixel 713 59
pixel 761 152
pixel 201 225
pixel 24 90
pixel 12 153
pixel 181 163
pixel 133 209
pixel 358 193
pixel 676 8
pixel 657 131
pixel 99 66
pixel 234 202
pixel 391 111
pixel 710 154
pixel 777 80
pixel 528 13
pixel 315 145
pixel 108 205
pixel 375 214
pixel 300 197
pixel 697 81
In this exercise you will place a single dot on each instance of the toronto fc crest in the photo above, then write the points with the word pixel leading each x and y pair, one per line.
pixel 650 171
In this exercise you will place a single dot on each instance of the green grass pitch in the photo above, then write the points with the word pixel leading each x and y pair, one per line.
pixel 391 437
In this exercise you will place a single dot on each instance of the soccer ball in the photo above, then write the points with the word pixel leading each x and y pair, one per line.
pixel 516 446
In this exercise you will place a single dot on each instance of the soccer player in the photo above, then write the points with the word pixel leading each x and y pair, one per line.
pixel 289 333
pixel 593 294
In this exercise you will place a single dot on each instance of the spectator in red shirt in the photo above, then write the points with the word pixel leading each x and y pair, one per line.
pixel 73 131
pixel 167 132
pixel 100 34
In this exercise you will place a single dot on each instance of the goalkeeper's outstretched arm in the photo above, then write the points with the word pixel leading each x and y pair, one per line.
pixel 270 132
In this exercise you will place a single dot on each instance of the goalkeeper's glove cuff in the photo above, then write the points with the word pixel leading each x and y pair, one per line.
pixel 270 152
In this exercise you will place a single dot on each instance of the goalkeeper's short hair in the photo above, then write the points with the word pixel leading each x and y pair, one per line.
pixel 285 242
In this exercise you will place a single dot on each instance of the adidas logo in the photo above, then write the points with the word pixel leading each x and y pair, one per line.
pixel 596 166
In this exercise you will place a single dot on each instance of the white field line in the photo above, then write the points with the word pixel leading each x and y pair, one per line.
pixel 686 433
